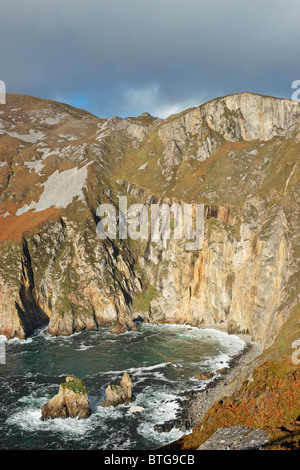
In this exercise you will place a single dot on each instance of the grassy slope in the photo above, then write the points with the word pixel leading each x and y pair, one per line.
pixel 227 177
pixel 270 400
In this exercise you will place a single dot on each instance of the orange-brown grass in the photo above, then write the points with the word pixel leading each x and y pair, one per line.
pixel 13 227
pixel 270 402
pixel 236 145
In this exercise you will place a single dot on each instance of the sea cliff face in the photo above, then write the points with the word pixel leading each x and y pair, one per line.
pixel 237 155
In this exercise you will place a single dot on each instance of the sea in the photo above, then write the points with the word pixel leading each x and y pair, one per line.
pixel 162 361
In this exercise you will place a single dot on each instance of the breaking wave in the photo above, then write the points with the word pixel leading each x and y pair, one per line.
pixel 162 361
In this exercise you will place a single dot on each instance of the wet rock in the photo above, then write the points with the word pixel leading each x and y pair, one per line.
pixel 236 438
pixel 204 376
pixel 70 402
pixel 138 321
pixel 119 394
pixel 167 426
pixel 159 428
pixel 124 327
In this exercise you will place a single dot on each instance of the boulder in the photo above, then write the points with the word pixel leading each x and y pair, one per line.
pixel 70 402
pixel 119 394
pixel 204 376
pixel 236 438
pixel 124 327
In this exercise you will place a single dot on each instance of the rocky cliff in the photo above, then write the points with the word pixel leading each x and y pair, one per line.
pixel 237 155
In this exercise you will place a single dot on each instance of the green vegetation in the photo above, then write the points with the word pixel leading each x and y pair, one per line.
pixel 115 388
pixel 75 385
pixel 142 301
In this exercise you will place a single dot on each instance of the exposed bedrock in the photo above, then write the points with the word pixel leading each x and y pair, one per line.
pixel 238 155
pixel 119 394
pixel 70 402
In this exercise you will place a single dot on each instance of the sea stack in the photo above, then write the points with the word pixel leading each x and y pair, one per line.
pixel 70 402
pixel 119 394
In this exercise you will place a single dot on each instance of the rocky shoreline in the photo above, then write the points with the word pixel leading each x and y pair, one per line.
pixel 195 403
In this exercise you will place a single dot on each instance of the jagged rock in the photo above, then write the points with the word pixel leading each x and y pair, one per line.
pixel 55 408
pixel 204 376
pixel 119 394
pixel 236 438
pixel 70 402
pixel 123 327
pixel 223 370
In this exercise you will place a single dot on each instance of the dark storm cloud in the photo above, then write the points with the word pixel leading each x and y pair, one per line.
pixel 128 56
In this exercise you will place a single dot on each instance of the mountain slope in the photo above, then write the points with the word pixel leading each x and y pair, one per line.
pixel 238 155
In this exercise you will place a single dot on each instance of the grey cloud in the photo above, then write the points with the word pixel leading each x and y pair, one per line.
pixel 128 56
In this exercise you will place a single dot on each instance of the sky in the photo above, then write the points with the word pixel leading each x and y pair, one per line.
pixel 126 57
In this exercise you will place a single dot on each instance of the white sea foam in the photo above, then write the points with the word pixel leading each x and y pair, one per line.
pixel 118 440
pixel 84 347
pixel 147 431
pixel 137 370
pixel 160 405
pixel 110 412
pixel 17 340
pixel 157 385
pixel 135 409
pixel 29 419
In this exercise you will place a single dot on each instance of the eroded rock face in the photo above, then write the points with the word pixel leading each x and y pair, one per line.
pixel 238 155
pixel 240 117
pixel 119 394
pixel 238 280
pixel 70 402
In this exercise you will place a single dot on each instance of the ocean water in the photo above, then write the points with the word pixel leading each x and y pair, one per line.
pixel 162 361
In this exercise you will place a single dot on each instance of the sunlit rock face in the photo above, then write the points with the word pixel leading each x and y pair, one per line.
pixel 238 155
pixel 71 401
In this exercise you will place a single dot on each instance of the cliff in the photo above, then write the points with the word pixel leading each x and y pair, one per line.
pixel 237 155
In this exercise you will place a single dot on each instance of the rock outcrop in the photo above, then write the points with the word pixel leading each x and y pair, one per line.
pixel 119 394
pixel 70 402
pixel 236 438
pixel 204 376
